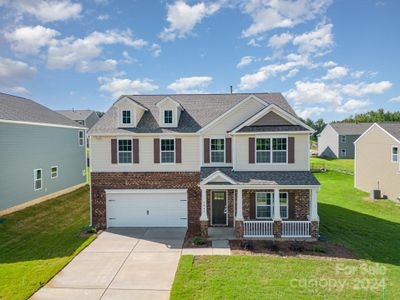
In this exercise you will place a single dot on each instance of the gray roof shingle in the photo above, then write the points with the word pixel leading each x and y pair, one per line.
pixel 392 127
pixel 264 178
pixel 350 128
pixel 273 128
pixel 15 108
pixel 199 110
pixel 76 115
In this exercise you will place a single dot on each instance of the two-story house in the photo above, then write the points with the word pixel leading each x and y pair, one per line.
pixel 204 160
pixel 85 118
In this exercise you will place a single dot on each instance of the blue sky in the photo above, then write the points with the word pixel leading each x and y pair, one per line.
pixel 329 58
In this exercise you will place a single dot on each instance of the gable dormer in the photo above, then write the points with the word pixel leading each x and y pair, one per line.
pixel 129 112
pixel 169 112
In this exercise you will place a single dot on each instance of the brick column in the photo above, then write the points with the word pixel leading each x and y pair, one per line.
pixel 204 229
pixel 314 229
pixel 277 229
pixel 239 229
pixel 204 217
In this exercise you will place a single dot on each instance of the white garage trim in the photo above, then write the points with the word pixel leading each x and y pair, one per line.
pixel 153 191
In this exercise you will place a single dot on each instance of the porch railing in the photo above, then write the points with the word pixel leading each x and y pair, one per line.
pixel 258 229
pixel 297 229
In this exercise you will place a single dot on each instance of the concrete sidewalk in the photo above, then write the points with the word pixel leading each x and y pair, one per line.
pixel 123 263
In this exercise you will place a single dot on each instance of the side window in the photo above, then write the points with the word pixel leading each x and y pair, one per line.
pixel 167 116
pixel 167 150
pixel 81 136
pixel 343 152
pixel 125 151
pixel 263 205
pixel 217 150
pixel 284 205
pixel 54 172
pixel 343 139
pixel 126 117
pixel 37 179
pixel 395 154
pixel 263 150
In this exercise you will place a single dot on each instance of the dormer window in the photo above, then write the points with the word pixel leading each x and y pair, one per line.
pixel 167 116
pixel 126 117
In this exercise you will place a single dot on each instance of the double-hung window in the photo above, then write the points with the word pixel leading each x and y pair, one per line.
pixel 167 116
pixel 167 150
pixel 217 150
pixel 125 151
pixel 263 205
pixel 37 179
pixel 54 172
pixel 271 150
pixel 395 154
pixel 284 205
pixel 81 137
pixel 126 117
pixel 343 139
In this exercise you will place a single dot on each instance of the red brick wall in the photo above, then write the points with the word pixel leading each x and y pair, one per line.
pixel 146 180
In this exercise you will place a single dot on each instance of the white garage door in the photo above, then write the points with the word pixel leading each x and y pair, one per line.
pixel 146 208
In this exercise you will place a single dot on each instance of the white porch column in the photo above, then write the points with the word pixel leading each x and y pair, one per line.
pixel 203 216
pixel 239 209
pixel 313 205
pixel 277 206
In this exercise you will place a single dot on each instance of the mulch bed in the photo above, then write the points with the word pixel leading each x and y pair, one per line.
pixel 188 242
pixel 319 249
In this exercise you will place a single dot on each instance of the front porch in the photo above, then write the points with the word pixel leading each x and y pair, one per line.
pixel 259 211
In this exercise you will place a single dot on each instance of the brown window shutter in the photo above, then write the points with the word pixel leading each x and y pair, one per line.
pixel 206 151
pixel 114 151
pixel 228 150
pixel 252 197
pixel 156 151
pixel 178 151
pixel 291 150
pixel 292 206
pixel 135 148
pixel 252 150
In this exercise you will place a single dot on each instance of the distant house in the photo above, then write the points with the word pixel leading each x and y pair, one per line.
pixel 43 153
pixel 337 139
pixel 86 118
pixel 377 160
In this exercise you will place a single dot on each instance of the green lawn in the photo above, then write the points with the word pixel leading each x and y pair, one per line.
pixel 37 242
pixel 340 164
pixel 370 229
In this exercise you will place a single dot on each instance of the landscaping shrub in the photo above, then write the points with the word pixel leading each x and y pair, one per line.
pixel 198 241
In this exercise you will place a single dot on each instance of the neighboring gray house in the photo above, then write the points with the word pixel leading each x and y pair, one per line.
pixel 43 153
pixel 86 118
pixel 337 139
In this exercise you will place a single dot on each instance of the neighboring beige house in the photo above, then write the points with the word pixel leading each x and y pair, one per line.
pixel 234 161
pixel 377 160
pixel 337 139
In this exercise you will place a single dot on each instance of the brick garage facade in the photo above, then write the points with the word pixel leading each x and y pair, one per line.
pixel 146 180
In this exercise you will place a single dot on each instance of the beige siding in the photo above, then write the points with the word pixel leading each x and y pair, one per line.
pixel 271 118
pixel 101 156
pixel 374 164
pixel 235 118
pixel 301 155
pixel 328 142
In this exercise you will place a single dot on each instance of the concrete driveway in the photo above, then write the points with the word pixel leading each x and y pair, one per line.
pixel 122 263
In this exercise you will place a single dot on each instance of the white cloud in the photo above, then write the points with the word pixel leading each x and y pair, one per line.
pixel 395 99
pixel 362 88
pixel 244 61
pixel 118 86
pixel 12 72
pixel 314 92
pixel 104 17
pixel 310 111
pixel 353 105
pixel 271 14
pixel 47 11
pixel 128 59
pixel 253 42
pixel 194 84
pixel 336 72
pixel 156 49
pixel 30 39
pixel 290 74
pixel 183 18
pixel 278 41
pixel 329 64
pixel 80 53
pixel 319 39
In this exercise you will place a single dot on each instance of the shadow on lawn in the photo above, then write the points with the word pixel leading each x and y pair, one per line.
pixel 369 237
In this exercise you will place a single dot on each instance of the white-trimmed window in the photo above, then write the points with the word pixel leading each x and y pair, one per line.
pixel 395 154
pixel 126 117
pixel 217 150
pixel 343 152
pixel 37 179
pixel 271 150
pixel 263 205
pixel 81 137
pixel 54 172
pixel 125 151
pixel 167 150
pixel 343 139
pixel 284 205
pixel 168 117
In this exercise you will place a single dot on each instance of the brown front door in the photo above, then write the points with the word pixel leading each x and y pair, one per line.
pixel 219 208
